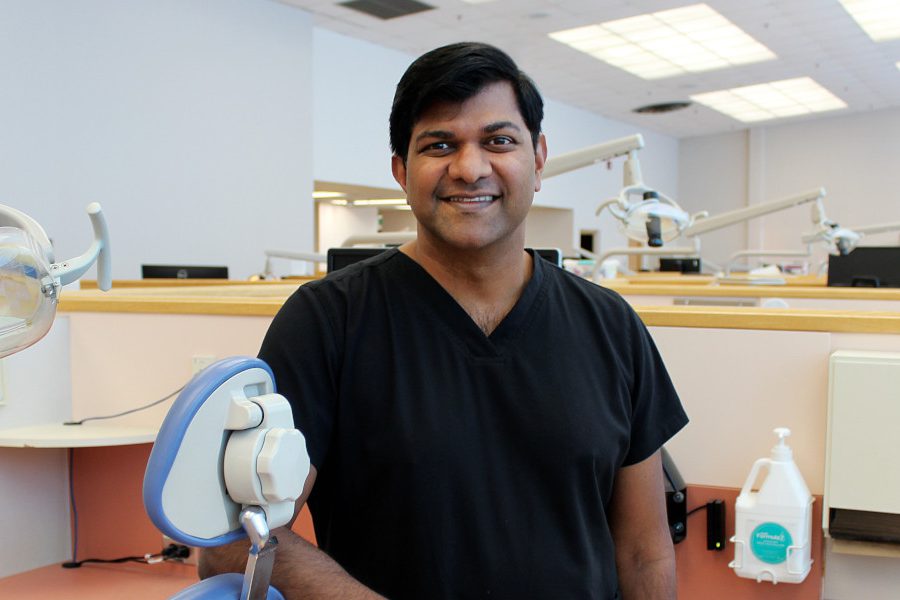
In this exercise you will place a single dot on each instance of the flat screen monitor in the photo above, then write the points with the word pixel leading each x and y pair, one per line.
pixel 338 258
pixel 183 272
pixel 869 266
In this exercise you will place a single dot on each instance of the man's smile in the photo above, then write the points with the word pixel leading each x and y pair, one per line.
pixel 470 199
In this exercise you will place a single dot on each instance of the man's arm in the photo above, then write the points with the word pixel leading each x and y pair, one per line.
pixel 301 570
pixel 645 558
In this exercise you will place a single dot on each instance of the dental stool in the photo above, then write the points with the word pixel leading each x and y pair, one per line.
pixel 227 463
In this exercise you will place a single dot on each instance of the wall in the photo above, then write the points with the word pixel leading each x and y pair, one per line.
pixel 33 483
pixel 853 157
pixel 712 175
pixel 353 89
pixel 187 120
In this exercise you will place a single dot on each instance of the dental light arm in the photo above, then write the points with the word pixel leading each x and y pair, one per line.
pixel 586 157
pixel 839 240
pixel 72 269
pixel 873 229
pixel 705 224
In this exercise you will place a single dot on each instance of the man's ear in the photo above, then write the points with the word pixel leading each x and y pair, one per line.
pixel 540 159
pixel 398 168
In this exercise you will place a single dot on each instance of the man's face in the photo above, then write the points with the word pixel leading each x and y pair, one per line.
pixel 472 171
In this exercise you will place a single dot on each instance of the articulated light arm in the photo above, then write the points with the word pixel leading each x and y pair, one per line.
pixel 873 229
pixel 586 157
pixel 705 224
pixel 70 270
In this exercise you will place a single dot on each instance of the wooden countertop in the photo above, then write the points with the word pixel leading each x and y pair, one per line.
pixel 711 288
pixel 265 301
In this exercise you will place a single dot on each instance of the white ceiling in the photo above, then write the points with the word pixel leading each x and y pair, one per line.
pixel 815 38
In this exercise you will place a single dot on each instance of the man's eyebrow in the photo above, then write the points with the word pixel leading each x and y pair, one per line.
pixel 501 125
pixel 443 134
pixel 435 133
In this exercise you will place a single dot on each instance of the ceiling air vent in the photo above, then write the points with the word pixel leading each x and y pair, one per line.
pixel 387 9
pixel 662 107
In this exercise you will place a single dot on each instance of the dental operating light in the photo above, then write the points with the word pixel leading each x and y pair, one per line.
pixel 842 240
pixel 31 280
pixel 653 218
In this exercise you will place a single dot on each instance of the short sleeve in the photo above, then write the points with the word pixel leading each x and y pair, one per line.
pixel 301 349
pixel 657 413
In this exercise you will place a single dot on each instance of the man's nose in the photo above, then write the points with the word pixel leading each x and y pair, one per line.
pixel 470 163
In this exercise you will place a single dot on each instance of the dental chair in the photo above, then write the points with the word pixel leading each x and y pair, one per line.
pixel 227 464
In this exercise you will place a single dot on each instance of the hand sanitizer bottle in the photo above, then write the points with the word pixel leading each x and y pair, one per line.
pixel 773 532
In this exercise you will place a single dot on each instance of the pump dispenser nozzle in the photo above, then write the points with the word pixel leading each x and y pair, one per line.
pixel 782 451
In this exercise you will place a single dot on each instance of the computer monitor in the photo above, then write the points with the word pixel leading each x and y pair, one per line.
pixel 338 258
pixel 868 266
pixel 183 272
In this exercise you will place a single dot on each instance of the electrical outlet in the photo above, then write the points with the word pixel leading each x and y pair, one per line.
pixel 200 362
pixel 191 558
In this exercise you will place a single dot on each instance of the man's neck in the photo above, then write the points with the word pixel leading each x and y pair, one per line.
pixel 485 283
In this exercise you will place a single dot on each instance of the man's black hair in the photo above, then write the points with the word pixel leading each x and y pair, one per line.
pixel 456 73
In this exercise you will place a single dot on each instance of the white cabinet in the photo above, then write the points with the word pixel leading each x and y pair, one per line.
pixel 862 480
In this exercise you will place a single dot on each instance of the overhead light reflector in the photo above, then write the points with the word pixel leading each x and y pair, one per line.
pixel 690 39
pixel 878 18
pixel 774 100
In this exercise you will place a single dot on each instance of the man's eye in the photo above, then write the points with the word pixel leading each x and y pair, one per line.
pixel 501 140
pixel 437 147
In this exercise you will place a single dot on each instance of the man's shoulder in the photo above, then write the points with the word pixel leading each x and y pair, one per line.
pixel 572 284
pixel 356 275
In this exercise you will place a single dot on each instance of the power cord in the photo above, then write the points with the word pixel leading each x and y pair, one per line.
pixel 693 510
pixel 127 412
pixel 172 552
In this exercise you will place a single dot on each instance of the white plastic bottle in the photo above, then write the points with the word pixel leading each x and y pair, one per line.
pixel 772 534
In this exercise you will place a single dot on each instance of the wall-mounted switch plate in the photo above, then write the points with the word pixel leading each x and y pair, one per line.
pixel 200 362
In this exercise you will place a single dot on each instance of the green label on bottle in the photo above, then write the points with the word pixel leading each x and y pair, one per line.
pixel 769 543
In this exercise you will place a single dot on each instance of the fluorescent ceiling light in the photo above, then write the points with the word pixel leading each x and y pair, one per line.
pixel 380 202
pixel 878 18
pixel 324 195
pixel 690 39
pixel 774 100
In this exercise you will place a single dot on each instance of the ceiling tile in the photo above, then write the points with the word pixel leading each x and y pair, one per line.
pixel 810 38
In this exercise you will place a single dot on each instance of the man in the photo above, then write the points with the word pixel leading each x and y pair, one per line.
pixel 481 423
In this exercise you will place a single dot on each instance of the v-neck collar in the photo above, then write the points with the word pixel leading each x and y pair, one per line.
pixel 461 326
